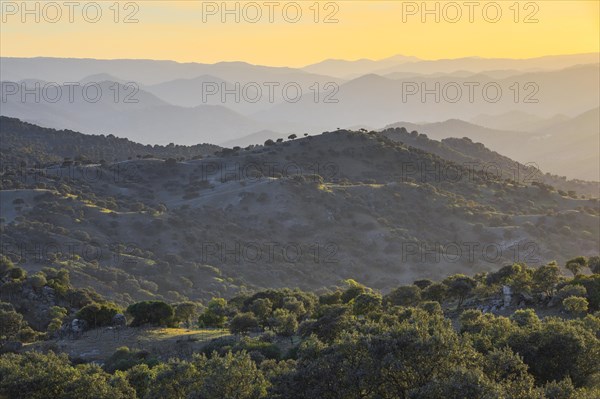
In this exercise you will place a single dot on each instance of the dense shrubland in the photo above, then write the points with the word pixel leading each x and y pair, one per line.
pixel 499 332
pixel 453 338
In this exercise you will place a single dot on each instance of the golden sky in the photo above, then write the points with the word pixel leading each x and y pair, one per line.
pixel 193 31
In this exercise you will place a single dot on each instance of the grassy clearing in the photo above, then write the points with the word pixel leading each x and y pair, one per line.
pixel 99 344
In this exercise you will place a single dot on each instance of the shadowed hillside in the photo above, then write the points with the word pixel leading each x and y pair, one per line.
pixel 306 212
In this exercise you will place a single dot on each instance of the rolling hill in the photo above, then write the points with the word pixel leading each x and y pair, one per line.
pixel 307 213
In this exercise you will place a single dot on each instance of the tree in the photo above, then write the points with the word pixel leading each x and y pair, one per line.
pixel 215 314
pixel 576 305
pixel 406 295
pixel 11 323
pixel 432 307
pixel 563 389
pixel 34 375
pixel 292 136
pixel 507 369
pixel 92 382
pixel 140 377
pixel 152 312
pixel 17 273
pixel 366 303
pixel 525 318
pixel 185 312
pixel 381 362
pixel 462 383
pixel 5 265
pixel 285 323
pixel 262 308
pixel 333 298
pixel 546 277
pixel 124 358
pixel 37 280
pixel 572 290
pixel 98 314
pixel 354 289
pixel 519 279
pixel 233 376
pixel 269 142
pixel 173 379
pixel 243 323
pixel 556 350
pixel 422 284
pixel 332 321
pixel 435 292
pixel 57 314
pixel 594 264
pixel 294 306
pixel 576 264
pixel 459 287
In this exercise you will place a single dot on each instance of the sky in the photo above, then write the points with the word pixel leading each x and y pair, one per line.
pixel 287 33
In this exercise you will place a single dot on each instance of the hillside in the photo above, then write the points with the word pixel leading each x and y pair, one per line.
pixel 564 148
pixel 34 145
pixel 261 217
pixel 467 152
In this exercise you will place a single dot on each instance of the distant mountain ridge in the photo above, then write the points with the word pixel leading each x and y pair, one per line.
pixel 471 65
pixel 567 148
pixel 136 114
pixel 536 94
pixel 517 121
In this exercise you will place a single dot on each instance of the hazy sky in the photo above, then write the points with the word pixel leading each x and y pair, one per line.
pixel 189 31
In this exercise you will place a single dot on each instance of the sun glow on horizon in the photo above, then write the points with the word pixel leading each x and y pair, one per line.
pixel 300 33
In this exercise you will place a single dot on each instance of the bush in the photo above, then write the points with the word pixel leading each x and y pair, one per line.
pixel 156 313
pixel 576 305
pixel 572 290
pixel 124 359
pixel 98 314
pixel 17 273
pixel 406 295
pixel 243 323
pixel 11 323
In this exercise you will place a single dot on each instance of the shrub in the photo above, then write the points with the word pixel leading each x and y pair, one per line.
pixel 156 313
pixel 243 323
pixel 98 314
pixel 575 305
pixel 124 359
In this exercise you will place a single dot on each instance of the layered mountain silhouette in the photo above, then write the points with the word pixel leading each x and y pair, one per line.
pixel 523 108
pixel 567 148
